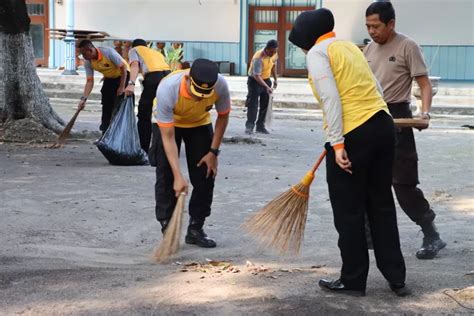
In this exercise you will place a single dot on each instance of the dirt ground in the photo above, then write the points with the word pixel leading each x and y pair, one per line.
pixel 78 233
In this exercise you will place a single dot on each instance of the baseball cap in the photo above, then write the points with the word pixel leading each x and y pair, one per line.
pixel 203 75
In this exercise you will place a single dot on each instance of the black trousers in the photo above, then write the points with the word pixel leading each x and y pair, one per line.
pixel 145 106
pixel 109 100
pixel 197 142
pixel 255 94
pixel 370 148
pixel 405 170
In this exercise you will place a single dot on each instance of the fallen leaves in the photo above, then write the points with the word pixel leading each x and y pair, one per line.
pixel 210 266
pixel 213 268
pixel 252 268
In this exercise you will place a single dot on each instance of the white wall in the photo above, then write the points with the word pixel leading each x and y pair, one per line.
pixel 167 20
pixel 350 18
pixel 436 22
pixel 429 22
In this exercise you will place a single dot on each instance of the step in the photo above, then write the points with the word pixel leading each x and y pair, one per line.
pixel 239 83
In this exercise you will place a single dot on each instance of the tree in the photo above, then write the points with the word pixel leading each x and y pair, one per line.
pixel 21 93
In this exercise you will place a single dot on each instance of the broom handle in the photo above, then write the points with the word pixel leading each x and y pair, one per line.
pixel 316 165
pixel 71 121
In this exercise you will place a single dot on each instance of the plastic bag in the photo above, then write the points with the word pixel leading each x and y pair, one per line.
pixel 269 114
pixel 120 143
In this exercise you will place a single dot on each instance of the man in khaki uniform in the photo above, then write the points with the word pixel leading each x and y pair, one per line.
pixel 395 60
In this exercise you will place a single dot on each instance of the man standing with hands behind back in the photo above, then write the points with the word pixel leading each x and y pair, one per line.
pixel 395 60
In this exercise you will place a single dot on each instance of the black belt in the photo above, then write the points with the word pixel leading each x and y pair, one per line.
pixel 400 109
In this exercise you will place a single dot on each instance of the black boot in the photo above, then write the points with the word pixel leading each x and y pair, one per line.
pixel 164 224
pixel 337 286
pixel 432 243
pixel 400 289
pixel 197 236
pixel 262 130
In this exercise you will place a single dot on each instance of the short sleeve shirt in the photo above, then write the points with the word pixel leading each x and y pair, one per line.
pixel 175 107
pixel 395 64
pixel 108 63
pixel 148 59
pixel 262 65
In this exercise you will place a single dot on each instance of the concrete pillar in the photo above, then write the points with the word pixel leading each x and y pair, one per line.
pixel 70 66
pixel 244 9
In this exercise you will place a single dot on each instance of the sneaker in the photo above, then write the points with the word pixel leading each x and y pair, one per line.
pixel 248 131
pixel 430 248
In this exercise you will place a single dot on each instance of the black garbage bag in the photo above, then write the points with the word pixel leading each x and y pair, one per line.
pixel 120 143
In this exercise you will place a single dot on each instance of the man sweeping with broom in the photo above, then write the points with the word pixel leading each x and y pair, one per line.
pixel 184 99
pixel 360 149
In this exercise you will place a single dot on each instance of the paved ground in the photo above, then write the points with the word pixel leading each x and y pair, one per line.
pixel 77 233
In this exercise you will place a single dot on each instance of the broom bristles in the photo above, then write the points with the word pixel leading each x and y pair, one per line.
pixel 281 223
pixel 170 243
pixel 67 129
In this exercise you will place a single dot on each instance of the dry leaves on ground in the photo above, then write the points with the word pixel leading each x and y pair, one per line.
pixel 210 266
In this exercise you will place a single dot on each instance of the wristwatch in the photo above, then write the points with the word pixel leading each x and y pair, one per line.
pixel 131 82
pixel 215 151
pixel 83 98
pixel 427 114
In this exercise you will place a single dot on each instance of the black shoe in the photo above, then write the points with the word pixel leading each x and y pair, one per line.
pixel 262 130
pixel 400 289
pixel 197 236
pixel 249 131
pixel 430 248
pixel 337 287
pixel 164 224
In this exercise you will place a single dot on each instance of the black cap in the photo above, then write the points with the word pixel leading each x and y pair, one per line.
pixel 203 75
pixel 138 42
pixel 309 26
pixel 272 44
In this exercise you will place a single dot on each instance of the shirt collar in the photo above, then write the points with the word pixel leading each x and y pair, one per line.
pixel 325 37
pixel 183 89
pixel 99 54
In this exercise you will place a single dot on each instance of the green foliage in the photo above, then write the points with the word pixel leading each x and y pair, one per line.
pixel 174 55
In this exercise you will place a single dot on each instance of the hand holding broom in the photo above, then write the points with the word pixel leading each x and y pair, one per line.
pixel 170 243
pixel 280 224
pixel 67 129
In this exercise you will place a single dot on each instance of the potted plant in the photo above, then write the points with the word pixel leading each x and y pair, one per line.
pixel 173 58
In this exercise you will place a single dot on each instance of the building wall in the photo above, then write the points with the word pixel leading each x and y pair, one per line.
pixel 444 29
pixel 288 3
pixel 429 22
pixel 214 51
pixel 454 62
pixel 165 20
pixel 446 37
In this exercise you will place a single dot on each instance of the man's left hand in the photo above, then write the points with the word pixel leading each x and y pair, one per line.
pixel 210 160
pixel 275 84
pixel 130 90
pixel 425 116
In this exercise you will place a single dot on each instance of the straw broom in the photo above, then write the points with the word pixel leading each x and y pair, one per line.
pixel 280 224
pixel 65 133
pixel 170 243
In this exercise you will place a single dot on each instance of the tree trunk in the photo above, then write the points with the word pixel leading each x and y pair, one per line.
pixel 21 93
